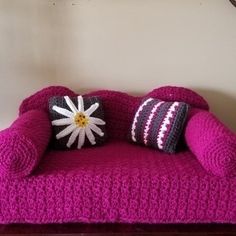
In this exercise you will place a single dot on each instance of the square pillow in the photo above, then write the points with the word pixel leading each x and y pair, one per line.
pixel 159 124
pixel 77 122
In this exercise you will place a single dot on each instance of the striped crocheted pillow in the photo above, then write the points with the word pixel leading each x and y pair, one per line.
pixel 159 124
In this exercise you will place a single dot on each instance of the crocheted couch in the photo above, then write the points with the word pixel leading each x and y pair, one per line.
pixel 119 181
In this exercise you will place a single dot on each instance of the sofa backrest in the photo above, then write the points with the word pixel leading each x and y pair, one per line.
pixel 119 108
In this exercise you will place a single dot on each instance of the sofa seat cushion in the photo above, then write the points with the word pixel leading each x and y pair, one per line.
pixel 118 182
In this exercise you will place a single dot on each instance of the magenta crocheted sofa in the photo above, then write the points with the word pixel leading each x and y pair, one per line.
pixel 119 181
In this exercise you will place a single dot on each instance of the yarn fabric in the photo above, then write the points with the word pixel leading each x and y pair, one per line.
pixel 180 94
pixel 159 124
pixel 118 182
pixel 23 144
pixel 213 144
pixel 119 107
pixel 77 121
pixel 39 100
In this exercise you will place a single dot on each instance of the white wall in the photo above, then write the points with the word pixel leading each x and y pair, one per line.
pixel 129 45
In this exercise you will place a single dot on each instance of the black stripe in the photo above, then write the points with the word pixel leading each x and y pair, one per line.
pixel 142 119
pixel 157 121
pixel 176 129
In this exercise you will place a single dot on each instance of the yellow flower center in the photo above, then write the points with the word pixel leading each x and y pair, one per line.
pixel 81 119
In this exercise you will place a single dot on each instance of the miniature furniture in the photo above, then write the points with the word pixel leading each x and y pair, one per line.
pixel 118 182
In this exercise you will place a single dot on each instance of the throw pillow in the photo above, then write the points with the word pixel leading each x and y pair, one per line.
pixel 77 121
pixel 159 124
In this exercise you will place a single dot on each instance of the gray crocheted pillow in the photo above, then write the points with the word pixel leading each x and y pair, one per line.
pixel 159 124
pixel 77 122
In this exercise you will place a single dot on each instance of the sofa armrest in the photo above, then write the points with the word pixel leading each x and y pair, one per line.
pixel 212 142
pixel 23 144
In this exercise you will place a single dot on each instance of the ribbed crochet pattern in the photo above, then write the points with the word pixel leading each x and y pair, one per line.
pixel 159 124
pixel 119 107
pixel 173 93
pixel 39 100
pixel 213 144
pixel 23 144
pixel 117 182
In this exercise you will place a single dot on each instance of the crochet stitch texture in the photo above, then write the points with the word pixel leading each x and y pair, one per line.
pixel 119 182
pixel 86 126
pixel 23 144
pixel 159 124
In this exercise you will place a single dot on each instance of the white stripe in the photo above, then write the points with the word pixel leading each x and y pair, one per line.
pixel 90 135
pixel 136 118
pixel 96 129
pixel 69 129
pixel 147 127
pixel 166 122
pixel 73 137
pixel 91 109
pixel 80 104
pixel 71 105
pixel 63 111
pixel 96 121
pixel 81 138
pixel 63 121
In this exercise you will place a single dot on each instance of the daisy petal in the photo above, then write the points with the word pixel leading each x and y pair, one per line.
pixel 80 104
pixel 66 131
pixel 63 111
pixel 81 138
pixel 96 129
pixel 71 105
pixel 73 137
pixel 90 135
pixel 96 121
pixel 63 121
pixel 90 110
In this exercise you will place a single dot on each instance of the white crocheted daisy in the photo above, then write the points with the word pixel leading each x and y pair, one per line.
pixel 79 122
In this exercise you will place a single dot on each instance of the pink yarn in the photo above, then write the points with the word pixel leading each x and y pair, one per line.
pixel 119 107
pixel 117 182
pixel 39 100
pixel 212 143
pixel 180 94
pixel 23 144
